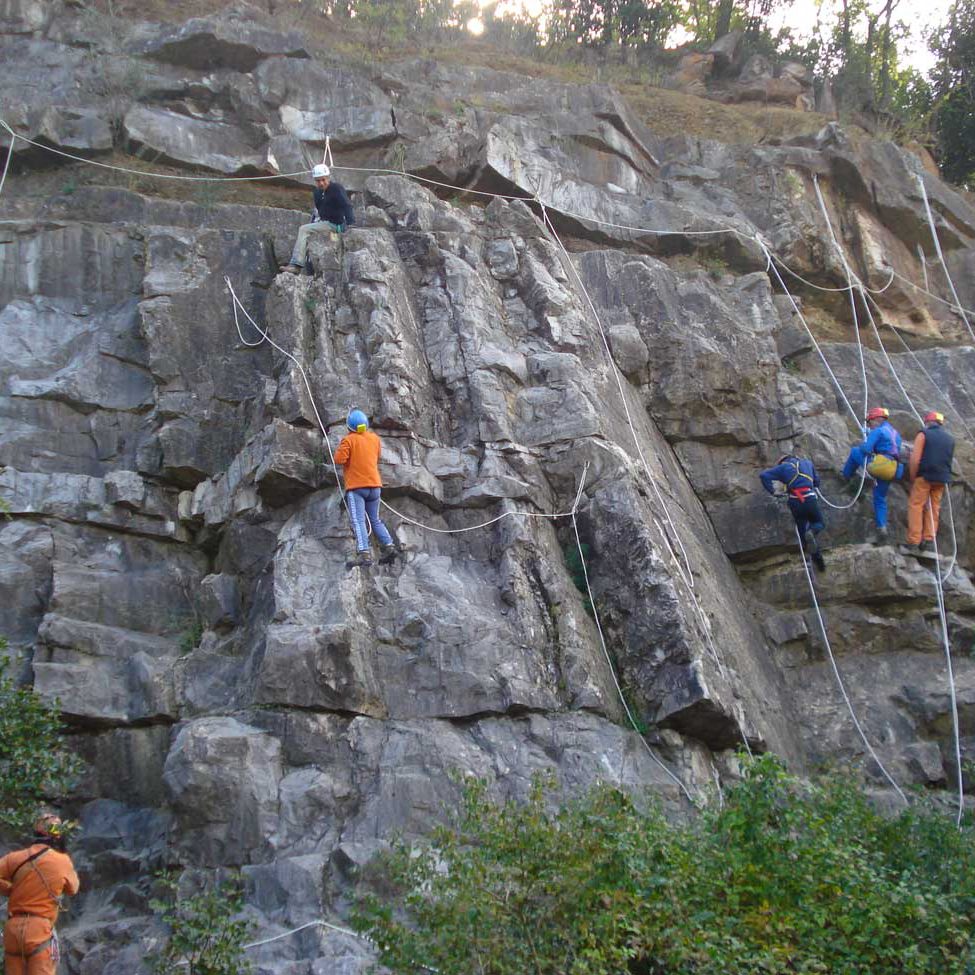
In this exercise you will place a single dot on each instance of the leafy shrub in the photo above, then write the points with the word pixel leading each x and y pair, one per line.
pixel 206 935
pixel 782 877
pixel 34 764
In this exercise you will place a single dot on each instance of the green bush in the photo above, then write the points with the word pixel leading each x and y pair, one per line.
pixel 34 764
pixel 206 934
pixel 783 877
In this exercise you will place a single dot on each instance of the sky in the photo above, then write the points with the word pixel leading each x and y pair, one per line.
pixel 801 18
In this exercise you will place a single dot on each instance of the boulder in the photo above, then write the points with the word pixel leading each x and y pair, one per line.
pixel 239 43
pixel 182 140
pixel 726 52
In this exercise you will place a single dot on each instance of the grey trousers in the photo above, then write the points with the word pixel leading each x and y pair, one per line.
pixel 300 254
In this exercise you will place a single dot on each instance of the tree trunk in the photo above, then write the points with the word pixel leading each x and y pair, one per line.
pixel 725 9
pixel 887 45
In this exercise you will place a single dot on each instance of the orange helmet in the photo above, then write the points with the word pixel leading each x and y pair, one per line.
pixel 878 413
pixel 933 416
pixel 48 825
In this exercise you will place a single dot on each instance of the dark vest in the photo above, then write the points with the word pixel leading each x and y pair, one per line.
pixel 939 448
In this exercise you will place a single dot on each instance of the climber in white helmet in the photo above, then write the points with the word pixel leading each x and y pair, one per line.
pixel 332 214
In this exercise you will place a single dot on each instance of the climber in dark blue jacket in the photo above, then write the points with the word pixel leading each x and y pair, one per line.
pixel 800 479
pixel 333 213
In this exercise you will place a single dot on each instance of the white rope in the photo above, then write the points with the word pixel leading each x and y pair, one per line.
pixel 321 923
pixel 684 571
pixel 818 287
pixel 849 281
pixel 939 590
pixel 10 155
pixel 920 420
pixel 606 654
pixel 941 256
pixel 265 337
pixel 836 672
pixel 954 306
pixel 147 172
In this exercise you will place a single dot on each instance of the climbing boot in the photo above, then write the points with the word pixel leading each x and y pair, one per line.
pixel 880 535
pixel 908 549
pixel 387 554
pixel 817 558
pixel 361 560
pixel 926 550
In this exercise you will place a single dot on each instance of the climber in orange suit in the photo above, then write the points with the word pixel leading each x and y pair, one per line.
pixel 34 879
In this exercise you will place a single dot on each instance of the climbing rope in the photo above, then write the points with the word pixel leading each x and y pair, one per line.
pixel 941 256
pixel 836 673
pixel 849 282
pixel 939 580
pixel 456 531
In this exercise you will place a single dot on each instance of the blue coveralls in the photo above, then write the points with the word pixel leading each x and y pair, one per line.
pixel 801 480
pixel 883 440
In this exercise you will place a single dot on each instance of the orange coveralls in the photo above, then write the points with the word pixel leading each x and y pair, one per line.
pixel 921 523
pixel 33 878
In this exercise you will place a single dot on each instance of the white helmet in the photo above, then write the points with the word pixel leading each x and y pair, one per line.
pixel 321 171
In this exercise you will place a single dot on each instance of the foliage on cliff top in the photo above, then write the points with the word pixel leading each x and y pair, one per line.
pixel 35 766
pixel 783 877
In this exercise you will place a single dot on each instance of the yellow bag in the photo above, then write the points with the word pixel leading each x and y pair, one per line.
pixel 883 468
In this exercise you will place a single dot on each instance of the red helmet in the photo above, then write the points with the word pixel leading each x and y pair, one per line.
pixel 933 416
pixel 878 413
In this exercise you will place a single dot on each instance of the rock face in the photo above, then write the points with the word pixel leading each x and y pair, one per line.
pixel 173 564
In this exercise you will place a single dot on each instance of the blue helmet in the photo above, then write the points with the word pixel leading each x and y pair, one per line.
pixel 358 421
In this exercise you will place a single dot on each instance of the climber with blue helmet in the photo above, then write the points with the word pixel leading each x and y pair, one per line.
pixel 359 454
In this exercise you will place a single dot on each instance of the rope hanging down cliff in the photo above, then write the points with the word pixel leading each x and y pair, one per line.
pixel 456 531
pixel 856 284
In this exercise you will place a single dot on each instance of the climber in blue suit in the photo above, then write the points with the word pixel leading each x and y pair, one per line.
pixel 880 452
pixel 801 482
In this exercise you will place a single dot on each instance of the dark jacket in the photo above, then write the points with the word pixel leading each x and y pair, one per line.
pixel 797 474
pixel 936 455
pixel 333 204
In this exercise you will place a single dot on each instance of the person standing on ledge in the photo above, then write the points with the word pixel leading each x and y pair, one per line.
pixel 332 214
pixel 34 879
pixel 930 469
pixel 359 454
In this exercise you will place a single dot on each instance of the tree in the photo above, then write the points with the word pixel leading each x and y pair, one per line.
pixel 954 92
pixel 605 24
pixel 206 935
pixel 782 877
pixel 35 766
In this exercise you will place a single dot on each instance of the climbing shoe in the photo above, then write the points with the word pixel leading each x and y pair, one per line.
pixel 387 554
pixel 880 535
pixel 360 560
pixel 817 558
pixel 292 269
pixel 926 550
pixel 908 549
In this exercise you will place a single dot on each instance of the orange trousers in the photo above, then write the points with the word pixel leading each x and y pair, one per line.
pixel 22 936
pixel 919 519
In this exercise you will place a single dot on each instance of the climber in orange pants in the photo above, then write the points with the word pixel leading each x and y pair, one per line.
pixel 930 469
pixel 34 879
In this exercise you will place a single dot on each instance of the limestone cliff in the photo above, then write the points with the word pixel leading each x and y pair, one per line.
pixel 173 565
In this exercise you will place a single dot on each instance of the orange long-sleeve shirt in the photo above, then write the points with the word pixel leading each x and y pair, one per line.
pixel 30 886
pixel 916 452
pixel 359 454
